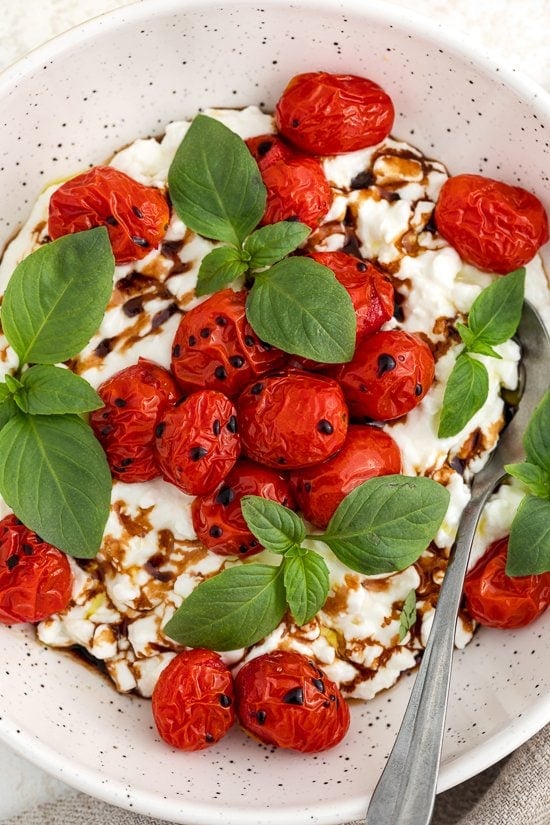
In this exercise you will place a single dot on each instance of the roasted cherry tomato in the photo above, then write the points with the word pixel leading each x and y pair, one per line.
pixel 218 519
pixel 197 442
pixel 497 600
pixel 371 292
pixel 367 452
pixel 192 700
pixel 268 149
pixel 491 224
pixel 297 190
pixel 135 399
pixel 215 347
pixel 35 577
pixel 284 699
pixel 136 216
pixel 292 419
pixel 389 375
pixel 327 114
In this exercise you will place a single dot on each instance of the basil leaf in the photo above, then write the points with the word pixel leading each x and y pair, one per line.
pixel 532 476
pixel 275 526
pixel 55 477
pixel 306 578
pixel 529 542
pixel 56 297
pixel 466 392
pixel 408 615
pixel 272 243
pixel 233 609
pixel 52 390
pixel 8 408
pixel 474 345
pixel 386 523
pixel 495 314
pixel 214 183
pixel 5 391
pixel 13 384
pixel 536 439
pixel 218 269
pixel 299 306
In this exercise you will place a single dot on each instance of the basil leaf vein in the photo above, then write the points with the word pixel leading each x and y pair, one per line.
pixel 276 527
pixel 306 579
pixel 52 390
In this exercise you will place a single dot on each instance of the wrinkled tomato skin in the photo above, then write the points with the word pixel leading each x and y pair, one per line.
pixel 193 700
pixel 328 114
pixel 497 600
pixel 269 149
pixel 218 519
pixel 297 190
pixel 197 442
pixel 35 577
pixel 371 292
pixel 136 216
pixel 292 420
pixel 215 347
pixel 389 375
pixel 135 399
pixel 367 452
pixel 492 225
pixel 284 699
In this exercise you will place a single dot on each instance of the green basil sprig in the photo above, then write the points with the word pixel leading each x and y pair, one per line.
pixel 53 473
pixel 382 526
pixel 529 543
pixel 295 304
pixel 408 614
pixel 494 317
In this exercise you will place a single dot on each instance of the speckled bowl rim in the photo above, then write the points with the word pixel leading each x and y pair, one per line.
pixel 461 768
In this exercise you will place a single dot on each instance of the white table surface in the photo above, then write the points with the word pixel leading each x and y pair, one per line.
pixel 516 31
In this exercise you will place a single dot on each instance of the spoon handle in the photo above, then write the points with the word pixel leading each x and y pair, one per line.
pixel 405 793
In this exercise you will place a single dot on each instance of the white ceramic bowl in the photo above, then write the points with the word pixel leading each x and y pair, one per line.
pixel 125 75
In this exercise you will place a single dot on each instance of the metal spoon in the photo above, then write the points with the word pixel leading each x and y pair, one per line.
pixel 405 793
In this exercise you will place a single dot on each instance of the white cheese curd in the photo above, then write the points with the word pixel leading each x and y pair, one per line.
pixel 151 560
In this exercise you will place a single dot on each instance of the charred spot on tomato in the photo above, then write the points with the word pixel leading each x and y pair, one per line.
pixel 205 332
pixel 137 212
pixel 176 351
pixel 225 700
pixel 159 429
pixel 221 321
pixel 192 341
pixel 196 453
pixel 232 425
pixel 386 363
pixel 120 402
pixel 243 549
pixel 281 460
pixel 295 696
pixel 324 427
pixel 220 373
pixel 225 496
pixel 110 220
pixel 307 486
pixel 257 388
pixel 319 684
pixel 27 549
pixel 216 427
pixel 261 716
pixel 361 266
pixel 295 122
pixel 236 361
pixel 126 462
pixel 216 531
pixel 264 147
pixel 104 431
pixel 12 561
pixel 142 242
pixel 418 390
pixel 209 738
pixel 249 341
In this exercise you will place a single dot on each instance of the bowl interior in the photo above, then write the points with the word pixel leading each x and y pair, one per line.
pixel 70 105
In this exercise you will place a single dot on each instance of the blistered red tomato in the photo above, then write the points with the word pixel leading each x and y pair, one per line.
pixel 367 452
pixel 497 600
pixel 215 347
pixel 136 216
pixel 292 419
pixel 284 699
pixel 491 224
pixel 193 702
pixel 389 375
pixel 197 442
pixel 328 114
pixel 268 149
pixel 35 577
pixel 218 519
pixel 371 292
pixel 297 190
pixel 135 399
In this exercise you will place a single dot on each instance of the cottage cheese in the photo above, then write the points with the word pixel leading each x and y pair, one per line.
pixel 150 559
